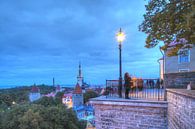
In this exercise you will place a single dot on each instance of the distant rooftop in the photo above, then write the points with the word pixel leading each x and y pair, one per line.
pixel 77 89
pixel 35 89
pixel 67 95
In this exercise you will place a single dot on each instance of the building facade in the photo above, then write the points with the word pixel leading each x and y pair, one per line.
pixel 179 70
pixel 34 94
pixel 77 96
pixel 184 62
pixel 67 100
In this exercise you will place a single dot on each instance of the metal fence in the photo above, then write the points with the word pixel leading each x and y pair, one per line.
pixel 150 89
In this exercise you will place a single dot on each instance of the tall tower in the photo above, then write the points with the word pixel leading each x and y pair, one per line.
pixel 53 81
pixel 80 77
pixel 77 96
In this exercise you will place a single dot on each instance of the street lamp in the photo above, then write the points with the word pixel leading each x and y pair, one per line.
pixel 13 102
pixel 120 36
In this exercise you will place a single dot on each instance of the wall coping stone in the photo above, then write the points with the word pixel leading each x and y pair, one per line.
pixel 103 100
pixel 183 92
pixel 179 72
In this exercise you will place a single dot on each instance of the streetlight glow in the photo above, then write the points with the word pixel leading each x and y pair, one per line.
pixel 120 36
pixel 13 102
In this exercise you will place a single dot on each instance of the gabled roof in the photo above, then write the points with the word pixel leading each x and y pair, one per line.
pixel 77 89
pixel 35 89
pixel 67 95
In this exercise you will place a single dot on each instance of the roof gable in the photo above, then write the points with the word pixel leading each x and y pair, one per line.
pixel 77 89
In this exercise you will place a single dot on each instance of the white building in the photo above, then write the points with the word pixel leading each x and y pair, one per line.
pixel 67 100
pixel 34 94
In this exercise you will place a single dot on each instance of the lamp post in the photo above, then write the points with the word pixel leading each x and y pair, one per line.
pixel 120 38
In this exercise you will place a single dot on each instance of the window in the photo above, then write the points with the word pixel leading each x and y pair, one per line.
pixel 183 70
pixel 184 56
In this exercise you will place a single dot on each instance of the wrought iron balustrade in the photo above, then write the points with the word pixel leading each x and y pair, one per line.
pixel 149 89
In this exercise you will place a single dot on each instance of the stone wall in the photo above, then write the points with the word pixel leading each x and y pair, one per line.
pixel 181 109
pixel 178 80
pixel 129 114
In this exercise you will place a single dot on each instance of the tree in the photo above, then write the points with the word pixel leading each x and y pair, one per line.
pixel 20 94
pixel 33 116
pixel 31 120
pixel 46 101
pixel 169 21
pixel 58 97
pixel 6 99
pixel 89 94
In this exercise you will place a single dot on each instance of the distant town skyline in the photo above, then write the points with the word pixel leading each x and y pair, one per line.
pixel 40 40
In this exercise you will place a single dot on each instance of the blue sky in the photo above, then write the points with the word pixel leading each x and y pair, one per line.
pixel 43 39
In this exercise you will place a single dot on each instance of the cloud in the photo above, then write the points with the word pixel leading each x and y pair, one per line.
pixel 42 39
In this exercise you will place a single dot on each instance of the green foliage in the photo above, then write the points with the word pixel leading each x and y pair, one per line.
pixel 45 113
pixel 50 101
pixel 89 94
pixel 6 99
pixel 167 20
pixel 33 116
pixel 19 95
pixel 58 97
pixel 44 89
pixel 31 120
pixel 46 101
pixel 82 124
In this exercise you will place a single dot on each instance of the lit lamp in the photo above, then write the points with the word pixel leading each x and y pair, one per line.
pixel 120 36
pixel 13 102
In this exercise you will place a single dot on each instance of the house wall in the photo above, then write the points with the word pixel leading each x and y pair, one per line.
pixel 67 102
pixel 77 99
pixel 34 96
pixel 172 65
pixel 178 80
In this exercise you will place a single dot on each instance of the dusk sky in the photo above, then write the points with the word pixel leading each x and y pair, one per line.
pixel 42 39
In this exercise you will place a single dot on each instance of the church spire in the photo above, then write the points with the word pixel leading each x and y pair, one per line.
pixel 80 73
pixel 79 77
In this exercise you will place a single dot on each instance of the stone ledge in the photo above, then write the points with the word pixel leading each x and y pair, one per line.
pixel 103 100
pixel 183 92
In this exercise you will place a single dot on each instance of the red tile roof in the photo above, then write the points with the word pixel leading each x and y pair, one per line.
pixel 77 89
pixel 35 89
pixel 67 95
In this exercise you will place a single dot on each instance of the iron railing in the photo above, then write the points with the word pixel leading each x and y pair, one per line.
pixel 149 89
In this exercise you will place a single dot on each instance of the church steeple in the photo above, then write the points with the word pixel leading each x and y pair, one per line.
pixel 80 72
pixel 79 77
